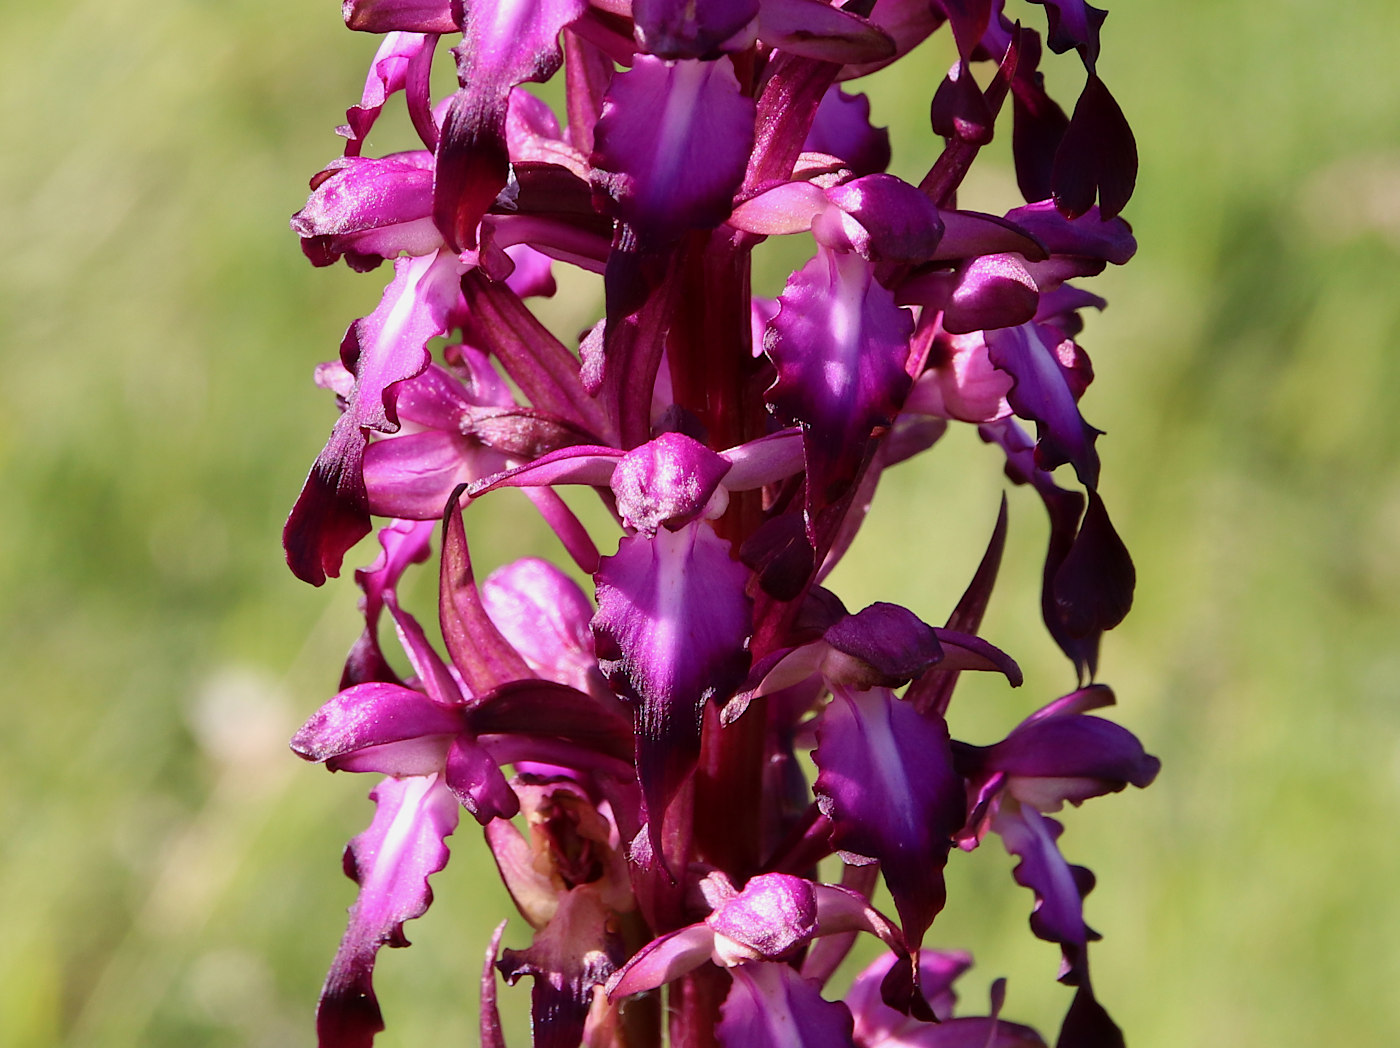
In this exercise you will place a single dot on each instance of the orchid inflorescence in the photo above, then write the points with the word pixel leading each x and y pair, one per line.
pixel 657 827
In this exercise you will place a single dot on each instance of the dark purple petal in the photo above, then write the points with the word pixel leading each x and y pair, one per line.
pixel 372 714
pixel 484 658
pixel 891 643
pixel 967 234
pixel 1097 156
pixel 1093 587
pixel 671 633
pixel 571 955
pixel 935 692
pixel 774 915
pixel 476 780
pixel 888 784
pixel 663 959
pixel 823 32
pixel 839 344
pixel 540 709
pixel 900 223
pixel 433 675
pixel 666 481
pixel 672 144
pixel 962 651
pixel 384 16
pixel 1058 915
pixel 1089 235
pixel 771 1006
pixel 1042 393
pixel 391 862
pixel 993 291
pixel 1064 509
pixel 503 45
pixel 686 29
pixel 1077 757
pixel 381 350
pixel 907 22
pixel 959 110
pixel 969 19
pixel 1087 1024
pixel 1038 124
pixel 1073 23
pixel 842 129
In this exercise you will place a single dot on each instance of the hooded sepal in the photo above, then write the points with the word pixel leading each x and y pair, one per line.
pixel 391 862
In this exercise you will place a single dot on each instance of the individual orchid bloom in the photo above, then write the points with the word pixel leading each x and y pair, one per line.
pixel 629 730
pixel 772 918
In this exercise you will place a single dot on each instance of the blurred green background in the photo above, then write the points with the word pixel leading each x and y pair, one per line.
pixel 169 873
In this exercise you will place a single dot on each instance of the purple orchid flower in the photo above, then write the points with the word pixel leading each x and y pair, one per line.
pixel 633 747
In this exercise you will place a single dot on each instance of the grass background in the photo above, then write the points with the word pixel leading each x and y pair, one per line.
pixel 169 873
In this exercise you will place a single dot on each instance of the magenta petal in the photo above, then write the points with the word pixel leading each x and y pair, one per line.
pixel 891 643
pixel 839 344
pixel 663 959
pixel 476 780
pixel 686 29
pixel 402 542
pixel 672 144
pixel 391 862
pixel 875 1020
pixel 372 714
pixel 666 481
pixel 993 291
pixel 671 632
pixel 888 784
pixel 380 350
pixel 1043 394
pixel 1078 756
pixel 503 45
pixel 901 223
pixel 544 615
pixel 402 63
pixel 1059 888
pixel 771 1006
pixel 1089 236
pixel 411 476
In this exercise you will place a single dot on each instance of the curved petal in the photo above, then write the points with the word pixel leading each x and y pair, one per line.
pixel 391 862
